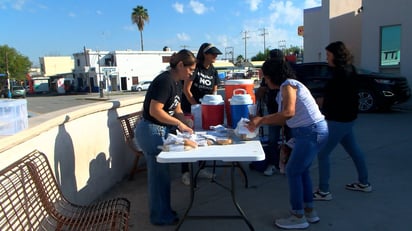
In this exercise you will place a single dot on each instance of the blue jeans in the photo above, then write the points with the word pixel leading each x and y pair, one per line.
pixel 149 137
pixel 308 141
pixel 272 158
pixel 341 132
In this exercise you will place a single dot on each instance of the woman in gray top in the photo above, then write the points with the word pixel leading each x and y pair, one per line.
pixel 299 111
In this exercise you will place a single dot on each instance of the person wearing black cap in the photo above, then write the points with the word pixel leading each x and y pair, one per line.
pixel 267 97
pixel 204 81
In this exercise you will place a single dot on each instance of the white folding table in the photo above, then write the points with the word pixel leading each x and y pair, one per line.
pixel 233 153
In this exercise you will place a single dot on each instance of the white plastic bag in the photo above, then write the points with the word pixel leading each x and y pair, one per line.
pixel 242 131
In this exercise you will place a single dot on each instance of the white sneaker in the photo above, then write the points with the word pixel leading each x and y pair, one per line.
pixel 270 170
pixel 204 173
pixel 312 216
pixel 292 222
pixel 186 178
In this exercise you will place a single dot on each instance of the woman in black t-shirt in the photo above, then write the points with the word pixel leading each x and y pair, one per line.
pixel 205 78
pixel 203 81
pixel 162 113
pixel 340 107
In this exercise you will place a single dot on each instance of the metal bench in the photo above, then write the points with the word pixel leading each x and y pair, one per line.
pixel 30 199
pixel 128 123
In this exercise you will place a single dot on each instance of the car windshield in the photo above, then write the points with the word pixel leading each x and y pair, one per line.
pixel 18 88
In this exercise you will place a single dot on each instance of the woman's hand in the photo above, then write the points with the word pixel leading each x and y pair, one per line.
pixel 254 123
pixel 184 128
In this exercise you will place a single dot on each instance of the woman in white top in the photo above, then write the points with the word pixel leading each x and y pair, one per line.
pixel 299 111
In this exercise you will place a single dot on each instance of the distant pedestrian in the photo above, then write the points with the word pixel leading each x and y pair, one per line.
pixel 340 107
pixel 266 97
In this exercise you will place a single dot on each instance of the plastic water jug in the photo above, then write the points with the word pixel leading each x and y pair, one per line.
pixel 239 105
pixel 212 111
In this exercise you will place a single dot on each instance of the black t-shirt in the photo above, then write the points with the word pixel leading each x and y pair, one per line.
pixel 270 98
pixel 165 90
pixel 341 98
pixel 203 82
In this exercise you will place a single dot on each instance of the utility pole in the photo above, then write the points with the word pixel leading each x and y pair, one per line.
pixel 87 61
pixel 245 38
pixel 100 77
pixel 229 50
pixel 282 45
pixel 8 77
pixel 264 33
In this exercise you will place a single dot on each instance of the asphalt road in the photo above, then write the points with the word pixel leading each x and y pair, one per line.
pixel 41 104
pixel 45 103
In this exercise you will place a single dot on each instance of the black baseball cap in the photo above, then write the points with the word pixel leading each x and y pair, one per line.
pixel 211 49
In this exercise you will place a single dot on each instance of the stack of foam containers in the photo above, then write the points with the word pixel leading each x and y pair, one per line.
pixel 13 116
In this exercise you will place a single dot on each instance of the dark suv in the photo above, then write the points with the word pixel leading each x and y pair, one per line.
pixel 377 91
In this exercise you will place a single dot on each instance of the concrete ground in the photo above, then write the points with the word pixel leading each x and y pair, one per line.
pixel 386 139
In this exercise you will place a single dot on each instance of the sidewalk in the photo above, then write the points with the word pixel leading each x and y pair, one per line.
pixel 384 137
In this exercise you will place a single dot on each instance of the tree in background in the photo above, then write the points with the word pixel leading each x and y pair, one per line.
pixel 292 50
pixel 239 60
pixel 12 61
pixel 261 56
pixel 140 17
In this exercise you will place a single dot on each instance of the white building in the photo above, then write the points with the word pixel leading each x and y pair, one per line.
pixel 118 70
pixel 377 32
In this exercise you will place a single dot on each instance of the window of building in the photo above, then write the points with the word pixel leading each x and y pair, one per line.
pixel 390 46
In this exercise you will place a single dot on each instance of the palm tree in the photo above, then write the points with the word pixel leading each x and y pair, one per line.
pixel 140 17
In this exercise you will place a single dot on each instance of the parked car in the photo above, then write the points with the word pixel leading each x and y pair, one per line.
pixel 143 86
pixel 16 92
pixel 377 91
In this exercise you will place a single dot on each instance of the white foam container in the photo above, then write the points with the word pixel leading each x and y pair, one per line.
pixel 13 116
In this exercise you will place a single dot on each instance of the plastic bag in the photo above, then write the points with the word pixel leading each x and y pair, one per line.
pixel 179 142
pixel 242 131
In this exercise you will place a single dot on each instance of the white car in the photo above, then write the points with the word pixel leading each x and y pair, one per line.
pixel 143 86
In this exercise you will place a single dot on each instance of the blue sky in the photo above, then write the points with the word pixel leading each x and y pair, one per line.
pixel 37 28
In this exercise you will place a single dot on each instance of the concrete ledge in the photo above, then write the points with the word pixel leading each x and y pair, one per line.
pixel 84 145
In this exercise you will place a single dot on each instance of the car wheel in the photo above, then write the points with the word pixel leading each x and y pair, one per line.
pixel 367 101
pixel 139 89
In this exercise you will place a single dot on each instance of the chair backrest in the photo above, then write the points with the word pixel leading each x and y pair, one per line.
pixel 29 194
pixel 128 123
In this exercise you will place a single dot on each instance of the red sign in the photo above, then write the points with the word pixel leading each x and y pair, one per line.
pixel 300 30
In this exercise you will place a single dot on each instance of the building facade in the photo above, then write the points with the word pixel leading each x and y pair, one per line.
pixel 376 32
pixel 53 65
pixel 117 70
